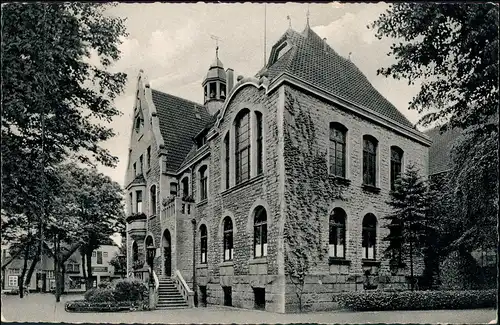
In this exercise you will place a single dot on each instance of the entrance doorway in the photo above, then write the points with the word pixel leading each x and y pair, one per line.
pixel 167 253
pixel 228 296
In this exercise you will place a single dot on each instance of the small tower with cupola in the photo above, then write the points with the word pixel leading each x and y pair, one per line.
pixel 215 85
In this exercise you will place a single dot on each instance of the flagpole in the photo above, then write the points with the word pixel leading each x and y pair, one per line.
pixel 265 31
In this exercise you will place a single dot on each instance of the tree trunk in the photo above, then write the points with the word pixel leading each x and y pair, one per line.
pixel 20 281
pixel 84 269
pixel 33 264
pixel 57 249
pixel 63 281
pixel 411 261
pixel 89 282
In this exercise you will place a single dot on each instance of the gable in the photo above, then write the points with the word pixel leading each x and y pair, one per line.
pixel 313 62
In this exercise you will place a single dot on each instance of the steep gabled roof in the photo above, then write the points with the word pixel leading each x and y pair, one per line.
pixel 180 120
pixel 310 61
pixel 440 150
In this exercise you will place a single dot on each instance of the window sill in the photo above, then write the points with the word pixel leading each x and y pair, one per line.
pixel 226 264
pixel 338 261
pixel 258 260
pixel 245 183
pixel 202 202
pixel 202 266
pixel 366 262
pixel 370 188
pixel 341 180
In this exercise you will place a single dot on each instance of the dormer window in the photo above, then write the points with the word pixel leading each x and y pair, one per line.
pixel 279 51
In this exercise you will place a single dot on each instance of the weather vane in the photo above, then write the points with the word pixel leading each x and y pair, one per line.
pixel 307 15
pixel 217 39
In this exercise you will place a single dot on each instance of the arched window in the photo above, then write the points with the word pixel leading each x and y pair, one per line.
pixel 185 186
pixel 203 244
pixel 337 149
pixel 369 160
pixel 336 247
pixel 396 159
pixel 260 232
pixel 242 141
pixel 258 118
pixel 203 182
pixel 135 252
pixel 226 159
pixel 369 236
pixel 152 195
pixel 228 239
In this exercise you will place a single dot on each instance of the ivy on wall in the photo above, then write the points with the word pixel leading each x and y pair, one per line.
pixel 309 191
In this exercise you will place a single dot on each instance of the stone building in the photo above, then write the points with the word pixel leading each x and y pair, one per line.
pixel 284 172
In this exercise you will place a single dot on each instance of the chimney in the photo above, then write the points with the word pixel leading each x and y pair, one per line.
pixel 325 46
pixel 230 80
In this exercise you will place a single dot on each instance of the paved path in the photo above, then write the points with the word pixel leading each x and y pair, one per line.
pixel 42 308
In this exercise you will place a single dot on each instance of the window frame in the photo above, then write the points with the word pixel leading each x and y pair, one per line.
pixel 138 199
pixel 396 165
pixel 259 141
pixel 228 239
pixel 203 182
pixel 173 193
pixel 260 233
pixel 13 278
pixel 241 150
pixel 227 153
pixel 335 142
pixel 203 244
pixel 185 186
pixel 99 259
pixel 337 229
pixel 369 236
pixel 153 200
pixel 148 157
pixel 370 161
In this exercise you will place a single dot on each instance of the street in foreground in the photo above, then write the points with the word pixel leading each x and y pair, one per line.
pixel 42 308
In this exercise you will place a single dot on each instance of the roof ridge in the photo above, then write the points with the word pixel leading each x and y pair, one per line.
pixel 178 97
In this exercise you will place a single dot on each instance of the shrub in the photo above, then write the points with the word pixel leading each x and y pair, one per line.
pixel 130 289
pixel 101 295
pixel 416 300
pixel 89 293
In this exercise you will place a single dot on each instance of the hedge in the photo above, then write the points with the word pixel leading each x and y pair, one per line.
pixel 114 306
pixel 416 300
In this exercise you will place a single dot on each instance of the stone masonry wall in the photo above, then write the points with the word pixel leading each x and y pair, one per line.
pixel 244 272
pixel 311 195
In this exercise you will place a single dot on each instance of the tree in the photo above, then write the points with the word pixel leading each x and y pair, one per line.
pixel 98 205
pixel 119 261
pixel 53 99
pixel 409 219
pixel 454 49
pixel 473 190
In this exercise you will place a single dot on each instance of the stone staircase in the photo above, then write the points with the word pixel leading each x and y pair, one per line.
pixel 168 296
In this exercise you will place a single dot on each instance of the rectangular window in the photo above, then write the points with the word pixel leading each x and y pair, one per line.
pixel 226 145
pixel 15 271
pixel 105 254
pixel 148 157
pixel 173 189
pixel 50 274
pixel 13 281
pixel 259 143
pixel 141 166
pixel 99 257
pixel 243 148
pixel 369 162
pixel 138 201
pixel 131 203
pixel 94 254
pixel 203 184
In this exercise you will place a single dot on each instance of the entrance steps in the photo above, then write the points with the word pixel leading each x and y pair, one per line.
pixel 168 296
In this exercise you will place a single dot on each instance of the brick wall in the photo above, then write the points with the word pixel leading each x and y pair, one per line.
pixel 307 135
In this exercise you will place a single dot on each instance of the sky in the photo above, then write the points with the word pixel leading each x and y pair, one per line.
pixel 172 43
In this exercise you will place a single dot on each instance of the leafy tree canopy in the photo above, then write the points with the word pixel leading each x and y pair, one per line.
pixel 453 48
